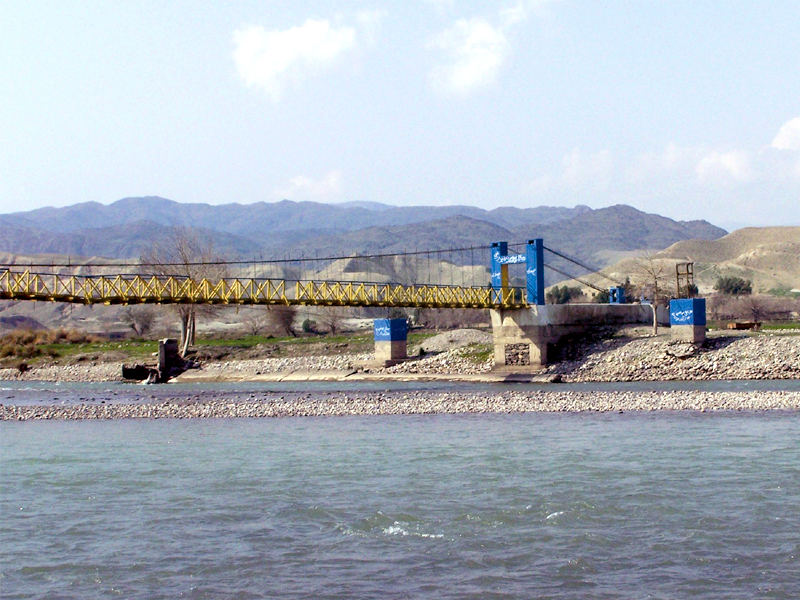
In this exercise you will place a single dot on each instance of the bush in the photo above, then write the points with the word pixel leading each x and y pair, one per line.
pixel 733 286
pixel 562 295
pixel 24 343
pixel 601 297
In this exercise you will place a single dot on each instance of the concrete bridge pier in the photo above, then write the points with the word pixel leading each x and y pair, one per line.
pixel 525 339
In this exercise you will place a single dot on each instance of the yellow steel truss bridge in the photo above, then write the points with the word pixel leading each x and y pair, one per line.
pixel 138 289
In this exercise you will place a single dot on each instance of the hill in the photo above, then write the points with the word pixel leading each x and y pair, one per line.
pixel 117 241
pixel 768 256
pixel 126 227
pixel 261 218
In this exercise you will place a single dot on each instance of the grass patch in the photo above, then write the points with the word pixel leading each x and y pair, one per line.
pixel 134 349
pixel 478 353
pixel 773 326
pixel 251 341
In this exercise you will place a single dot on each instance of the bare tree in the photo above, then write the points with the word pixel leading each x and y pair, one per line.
pixel 183 254
pixel 654 282
pixel 139 318
pixel 332 317
pixel 756 308
pixel 282 318
pixel 255 321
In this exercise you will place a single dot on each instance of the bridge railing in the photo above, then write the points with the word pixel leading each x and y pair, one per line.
pixel 143 289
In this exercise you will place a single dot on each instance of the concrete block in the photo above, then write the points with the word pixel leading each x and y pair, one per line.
pixel 395 350
pixel 388 330
pixel 687 319
pixel 687 311
pixel 695 334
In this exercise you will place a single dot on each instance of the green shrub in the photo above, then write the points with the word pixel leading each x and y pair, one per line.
pixel 734 286
pixel 562 295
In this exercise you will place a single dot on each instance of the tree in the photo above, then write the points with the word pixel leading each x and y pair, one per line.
pixel 139 318
pixel 734 286
pixel 602 297
pixel 654 277
pixel 332 317
pixel 255 321
pixel 282 318
pixel 562 295
pixel 184 255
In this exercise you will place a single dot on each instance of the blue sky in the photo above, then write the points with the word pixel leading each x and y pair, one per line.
pixel 687 109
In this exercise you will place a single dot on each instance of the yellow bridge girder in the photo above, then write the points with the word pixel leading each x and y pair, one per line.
pixel 137 289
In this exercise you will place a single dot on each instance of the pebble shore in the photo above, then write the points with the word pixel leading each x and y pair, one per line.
pixel 404 403
pixel 661 359
pixel 770 356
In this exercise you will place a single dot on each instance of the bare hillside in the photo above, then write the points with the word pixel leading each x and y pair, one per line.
pixel 767 256
pixel 733 245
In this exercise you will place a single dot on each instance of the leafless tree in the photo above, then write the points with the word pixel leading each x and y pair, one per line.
pixel 756 307
pixel 140 319
pixel 255 321
pixel 184 255
pixel 282 318
pixel 653 282
pixel 331 317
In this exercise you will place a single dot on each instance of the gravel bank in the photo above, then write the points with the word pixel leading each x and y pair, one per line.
pixel 765 356
pixel 401 403
pixel 84 372
pixel 342 362
pixel 660 359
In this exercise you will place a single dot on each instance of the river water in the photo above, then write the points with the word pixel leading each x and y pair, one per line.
pixel 635 505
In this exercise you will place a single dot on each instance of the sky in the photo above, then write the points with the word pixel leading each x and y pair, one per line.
pixel 686 109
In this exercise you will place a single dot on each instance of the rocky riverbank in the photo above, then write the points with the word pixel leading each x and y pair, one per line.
pixel 630 357
pixel 404 403
pixel 762 356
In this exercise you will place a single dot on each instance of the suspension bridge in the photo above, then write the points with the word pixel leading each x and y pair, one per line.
pixel 525 330
pixel 441 278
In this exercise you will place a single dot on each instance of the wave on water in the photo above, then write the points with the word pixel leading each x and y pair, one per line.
pixel 398 529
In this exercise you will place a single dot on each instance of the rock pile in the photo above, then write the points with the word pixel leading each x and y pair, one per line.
pixel 461 361
pixel 450 340
pixel 652 359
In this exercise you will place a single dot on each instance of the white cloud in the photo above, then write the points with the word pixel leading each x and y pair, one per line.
pixel 305 188
pixel 265 59
pixel 725 167
pixel 477 50
pixel 788 137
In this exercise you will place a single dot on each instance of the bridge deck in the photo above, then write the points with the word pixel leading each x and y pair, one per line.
pixel 136 289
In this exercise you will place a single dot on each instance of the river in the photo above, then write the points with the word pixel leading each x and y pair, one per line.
pixel 635 505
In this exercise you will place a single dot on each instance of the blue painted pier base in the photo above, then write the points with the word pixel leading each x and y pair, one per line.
pixel 391 336
pixel 687 319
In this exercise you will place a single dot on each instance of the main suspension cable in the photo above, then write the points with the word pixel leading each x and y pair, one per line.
pixel 586 283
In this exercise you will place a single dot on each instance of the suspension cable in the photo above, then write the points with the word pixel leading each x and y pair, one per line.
pixel 580 264
pixel 286 259
pixel 586 283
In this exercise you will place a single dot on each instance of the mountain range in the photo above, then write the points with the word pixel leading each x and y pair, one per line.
pixel 126 228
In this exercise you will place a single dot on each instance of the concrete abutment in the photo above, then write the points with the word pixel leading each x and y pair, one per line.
pixel 525 339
